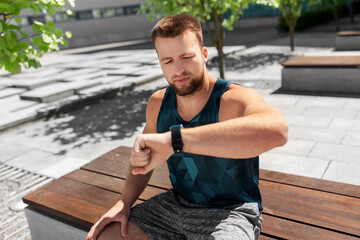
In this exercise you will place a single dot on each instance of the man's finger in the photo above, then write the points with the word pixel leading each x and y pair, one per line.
pixel 124 227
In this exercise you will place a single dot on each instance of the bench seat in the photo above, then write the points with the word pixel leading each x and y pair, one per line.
pixel 348 41
pixel 322 74
pixel 295 207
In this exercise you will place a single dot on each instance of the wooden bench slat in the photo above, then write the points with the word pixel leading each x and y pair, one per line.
pixel 71 209
pixel 323 61
pixel 349 33
pixel 313 207
pixel 109 183
pixel 313 183
pixel 118 167
pixel 283 228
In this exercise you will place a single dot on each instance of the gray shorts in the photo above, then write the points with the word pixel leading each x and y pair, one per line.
pixel 168 216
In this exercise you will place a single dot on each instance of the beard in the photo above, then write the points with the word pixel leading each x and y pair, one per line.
pixel 195 84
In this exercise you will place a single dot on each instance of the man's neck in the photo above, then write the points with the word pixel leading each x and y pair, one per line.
pixel 189 106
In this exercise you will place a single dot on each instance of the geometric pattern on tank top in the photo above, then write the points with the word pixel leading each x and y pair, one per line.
pixel 205 179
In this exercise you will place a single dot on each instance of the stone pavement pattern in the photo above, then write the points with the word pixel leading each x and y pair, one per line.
pixel 324 131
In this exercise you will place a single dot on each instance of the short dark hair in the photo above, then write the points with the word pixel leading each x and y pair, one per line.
pixel 174 25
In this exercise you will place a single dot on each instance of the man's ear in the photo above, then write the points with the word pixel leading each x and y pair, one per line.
pixel 205 54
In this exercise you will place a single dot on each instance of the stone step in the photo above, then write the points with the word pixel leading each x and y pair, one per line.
pixel 31 83
pixel 36 73
pixel 88 76
pixel 68 73
pixel 14 103
pixel 57 91
pixel 7 92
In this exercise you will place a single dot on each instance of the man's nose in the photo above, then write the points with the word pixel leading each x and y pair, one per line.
pixel 178 68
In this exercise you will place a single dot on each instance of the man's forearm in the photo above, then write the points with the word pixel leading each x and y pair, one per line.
pixel 236 138
pixel 134 186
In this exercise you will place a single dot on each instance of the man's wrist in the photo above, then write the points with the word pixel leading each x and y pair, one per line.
pixel 176 139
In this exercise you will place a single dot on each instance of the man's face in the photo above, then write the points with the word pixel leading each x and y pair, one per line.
pixel 182 61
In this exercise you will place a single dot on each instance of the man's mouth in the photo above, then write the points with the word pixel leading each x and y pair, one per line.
pixel 181 80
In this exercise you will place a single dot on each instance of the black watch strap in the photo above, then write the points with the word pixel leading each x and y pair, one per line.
pixel 176 140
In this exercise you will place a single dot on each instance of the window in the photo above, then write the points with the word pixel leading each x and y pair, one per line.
pixel 108 12
pixel 84 15
pixel 120 11
pixel 39 18
pixel 63 17
pixel 132 10
pixel 96 13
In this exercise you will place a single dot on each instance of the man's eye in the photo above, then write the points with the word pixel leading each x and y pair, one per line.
pixel 167 62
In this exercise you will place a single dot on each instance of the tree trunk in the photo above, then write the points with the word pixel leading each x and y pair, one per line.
pixel 221 58
pixel 337 18
pixel 351 12
pixel 292 32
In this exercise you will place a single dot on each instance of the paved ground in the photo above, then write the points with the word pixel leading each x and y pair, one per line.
pixel 324 133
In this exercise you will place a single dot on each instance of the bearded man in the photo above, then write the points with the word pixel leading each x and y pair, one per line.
pixel 210 132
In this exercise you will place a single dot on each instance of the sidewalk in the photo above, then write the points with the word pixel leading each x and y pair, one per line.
pixel 324 132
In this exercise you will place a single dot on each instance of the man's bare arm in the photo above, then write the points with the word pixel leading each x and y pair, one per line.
pixel 246 131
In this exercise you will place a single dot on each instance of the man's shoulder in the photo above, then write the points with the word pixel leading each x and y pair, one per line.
pixel 236 92
pixel 157 97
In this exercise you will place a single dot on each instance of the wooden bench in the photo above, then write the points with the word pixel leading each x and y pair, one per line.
pixel 295 207
pixel 348 41
pixel 322 74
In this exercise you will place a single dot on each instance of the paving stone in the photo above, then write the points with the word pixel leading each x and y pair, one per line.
pixel 110 79
pixel 280 99
pixel 144 78
pixel 125 71
pixel 73 73
pixel 336 152
pixel 151 71
pixel 14 103
pixel 57 91
pixel 345 124
pixel 321 102
pixel 88 76
pixel 343 172
pixel 352 138
pixel 308 121
pixel 296 147
pixel 290 110
pixel 43 72
pixel 7 92
pixel 352 104
pixel 22 116
pixel 10 150
pixel 32 82
pixel 316 134
pixel 63 166
pixel 331 113
pixel 34 161
pixel 310 167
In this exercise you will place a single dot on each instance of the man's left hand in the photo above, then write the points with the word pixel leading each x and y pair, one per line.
pixel 150 151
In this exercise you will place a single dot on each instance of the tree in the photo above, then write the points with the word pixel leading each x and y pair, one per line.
pixel 291 10
pixel 336 7
pixel 18 49
pixel 211 12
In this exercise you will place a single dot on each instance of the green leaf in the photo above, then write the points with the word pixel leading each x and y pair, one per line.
pixel 2 43
pixel 1 27
pixel 68 34
pixel 38 41
pixel 58 32
pixel 18 20
pixel 46 38
pixel 4 6
pixel 37 29
pixel 50 25
pixel 23 45
pixel 13 57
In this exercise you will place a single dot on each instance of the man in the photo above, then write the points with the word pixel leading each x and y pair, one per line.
pixel 212 158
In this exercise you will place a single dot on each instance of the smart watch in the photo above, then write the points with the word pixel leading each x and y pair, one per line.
pixel 176 140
